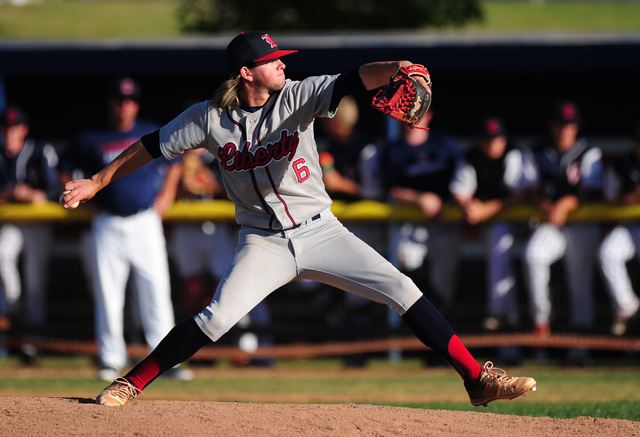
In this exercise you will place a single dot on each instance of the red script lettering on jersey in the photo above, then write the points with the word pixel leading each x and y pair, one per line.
pixel 232 159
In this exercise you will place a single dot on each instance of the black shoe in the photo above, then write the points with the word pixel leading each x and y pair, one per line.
pixel 29 355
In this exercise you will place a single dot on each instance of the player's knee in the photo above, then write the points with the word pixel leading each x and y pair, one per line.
pixel 534 256
pixel 604 254
pixel 408 293
pixel 217 322
pixel 611 255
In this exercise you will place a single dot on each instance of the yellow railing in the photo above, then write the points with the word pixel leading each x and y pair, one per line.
pixel 369 211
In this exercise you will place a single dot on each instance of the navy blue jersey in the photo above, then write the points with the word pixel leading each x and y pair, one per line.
pixel 357 161
pixel 427 167
pixel 35 165
pixel 132 193
pixel 564 173
pixel 627 169
pixel 490 174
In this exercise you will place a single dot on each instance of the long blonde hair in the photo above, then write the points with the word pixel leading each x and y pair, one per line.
pixel 228 92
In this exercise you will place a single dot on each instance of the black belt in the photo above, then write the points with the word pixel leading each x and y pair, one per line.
pixel 312 219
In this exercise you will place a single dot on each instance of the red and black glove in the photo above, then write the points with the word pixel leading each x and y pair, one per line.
pixel 404 98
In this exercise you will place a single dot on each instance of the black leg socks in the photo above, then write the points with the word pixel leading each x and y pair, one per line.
pixel 434 331
pixel 180 344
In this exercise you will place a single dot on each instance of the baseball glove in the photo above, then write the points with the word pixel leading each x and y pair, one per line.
pixel 404 98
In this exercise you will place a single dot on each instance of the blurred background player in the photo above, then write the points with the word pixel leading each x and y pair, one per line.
pixel 350 160
pixel 27 175
pixel 491 180
pixel 418 171
pixel 127 235
pixel 567 171
pixel 202 251
pixel 622 186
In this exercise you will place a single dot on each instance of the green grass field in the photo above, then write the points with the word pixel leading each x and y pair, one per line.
pixel 157 19
pixel 607 389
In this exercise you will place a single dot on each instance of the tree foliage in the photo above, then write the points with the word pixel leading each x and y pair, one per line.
pixel 292 15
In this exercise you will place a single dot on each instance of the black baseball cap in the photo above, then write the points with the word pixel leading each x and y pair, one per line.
pixel 565 112
pixel 125 87
pixel 250 47
pixel 13 116
pixel 491 127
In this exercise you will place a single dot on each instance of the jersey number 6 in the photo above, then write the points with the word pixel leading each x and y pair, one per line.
pixel 301 170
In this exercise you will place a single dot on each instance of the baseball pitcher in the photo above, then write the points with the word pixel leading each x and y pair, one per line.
pixel 259 125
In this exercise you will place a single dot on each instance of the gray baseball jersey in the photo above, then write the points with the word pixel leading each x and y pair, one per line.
pixel 268 158
pixel 270 168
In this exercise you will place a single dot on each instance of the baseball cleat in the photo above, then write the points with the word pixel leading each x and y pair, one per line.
pixel 622 323
pixel 493 386
pixel 119 393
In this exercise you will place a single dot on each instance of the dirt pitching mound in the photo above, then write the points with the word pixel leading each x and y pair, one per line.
pixel 40 416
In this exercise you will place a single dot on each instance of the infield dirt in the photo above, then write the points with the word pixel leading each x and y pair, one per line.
pixel 54 416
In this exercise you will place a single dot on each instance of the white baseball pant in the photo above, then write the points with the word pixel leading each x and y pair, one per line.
pixel 11 243
pixel 121 246
pixel 412 243
pixel 501 281
pixel 577 243
pixel 34 242
pixel 617 248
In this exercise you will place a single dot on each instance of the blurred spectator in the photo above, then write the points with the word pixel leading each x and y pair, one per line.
pixel 202 251
pixel 491 180
pixel 127 235
pixel 568 170
pixel 27 175
pixel 350 161
pixel 622 186
pixel 419 169
pixel 350 158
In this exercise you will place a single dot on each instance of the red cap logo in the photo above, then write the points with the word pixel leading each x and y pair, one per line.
pixel 268 39
pixel 126 87
pixel 568 112
pixel 12 116
pixel 493 127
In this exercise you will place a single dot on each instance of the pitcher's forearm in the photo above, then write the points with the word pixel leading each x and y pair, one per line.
pixel 127 162
pixel 377 74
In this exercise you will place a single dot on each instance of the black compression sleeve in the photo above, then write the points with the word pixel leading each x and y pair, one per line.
pixel 180 344
pixel 346 84
pixel 151 142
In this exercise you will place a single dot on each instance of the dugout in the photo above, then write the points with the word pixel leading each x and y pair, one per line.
pixel 62 83
pixel 62 86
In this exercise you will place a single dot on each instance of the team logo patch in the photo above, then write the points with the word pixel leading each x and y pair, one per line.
pixel 573 173
pixel 268 39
